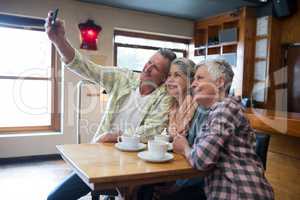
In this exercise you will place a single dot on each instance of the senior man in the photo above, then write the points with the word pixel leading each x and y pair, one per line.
pixel 136 102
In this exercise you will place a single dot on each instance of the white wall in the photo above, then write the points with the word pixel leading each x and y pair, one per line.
pixel 74 12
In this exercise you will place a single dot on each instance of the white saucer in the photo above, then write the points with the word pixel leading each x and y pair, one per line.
pixel 145 155
pixel 121 147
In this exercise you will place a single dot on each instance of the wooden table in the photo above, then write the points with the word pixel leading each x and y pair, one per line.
pixel 102 166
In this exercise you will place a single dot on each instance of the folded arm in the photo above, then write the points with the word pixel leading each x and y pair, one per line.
pixel 209 145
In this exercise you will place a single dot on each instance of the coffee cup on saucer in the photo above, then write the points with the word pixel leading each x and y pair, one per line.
pixel 129 141
pixel 157 149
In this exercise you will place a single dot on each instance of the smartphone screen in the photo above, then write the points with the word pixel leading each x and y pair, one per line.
pixel 54 15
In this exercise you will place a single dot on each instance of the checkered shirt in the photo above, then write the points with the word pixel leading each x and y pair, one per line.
pixel 226 143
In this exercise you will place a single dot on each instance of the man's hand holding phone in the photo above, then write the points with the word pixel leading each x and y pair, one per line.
pixel 56 33
pixel 54 27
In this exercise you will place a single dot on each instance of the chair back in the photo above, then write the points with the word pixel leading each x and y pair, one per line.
pixel 262 145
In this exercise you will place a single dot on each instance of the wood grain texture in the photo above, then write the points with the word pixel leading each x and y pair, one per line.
pixel 285 145
pixel 290 27
pixel 219 19
pixel 246 51
pixel 103 166
pixel 283 166
pixel 273 101
pixel 293 82
pixel 283 173
pixel 275 122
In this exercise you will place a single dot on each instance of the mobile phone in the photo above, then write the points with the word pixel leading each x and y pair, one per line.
pixel 54 16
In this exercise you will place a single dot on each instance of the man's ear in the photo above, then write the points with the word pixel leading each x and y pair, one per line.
pixel 220 82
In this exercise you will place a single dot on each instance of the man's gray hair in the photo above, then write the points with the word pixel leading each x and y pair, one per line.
pixel 217 68
pixel 167 53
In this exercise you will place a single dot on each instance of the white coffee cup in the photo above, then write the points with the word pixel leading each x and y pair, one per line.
pixel 130 141
pixel 157 148
pixel 165 138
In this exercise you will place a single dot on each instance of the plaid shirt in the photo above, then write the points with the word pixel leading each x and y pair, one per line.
pixel 119 83
pixel 227 143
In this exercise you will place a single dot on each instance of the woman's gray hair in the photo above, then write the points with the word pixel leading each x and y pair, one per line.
pixel 217 68
pixel 186 66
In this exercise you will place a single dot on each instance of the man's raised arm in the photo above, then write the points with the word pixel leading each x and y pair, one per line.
pixel 56 33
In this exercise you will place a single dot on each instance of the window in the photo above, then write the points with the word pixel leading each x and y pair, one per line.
pixel 132 50
pixel 28 77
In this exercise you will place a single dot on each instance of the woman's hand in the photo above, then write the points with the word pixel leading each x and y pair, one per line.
pixel 173 133
pixel 181 145
pixel 108 137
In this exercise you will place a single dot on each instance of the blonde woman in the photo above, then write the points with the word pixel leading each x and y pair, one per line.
pixel 178 86
pixel 185 118
pixel 226 142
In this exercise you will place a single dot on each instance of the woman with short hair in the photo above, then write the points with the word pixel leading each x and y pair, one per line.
pixel 226 142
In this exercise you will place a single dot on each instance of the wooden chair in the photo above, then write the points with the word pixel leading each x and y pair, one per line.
pixel 262 145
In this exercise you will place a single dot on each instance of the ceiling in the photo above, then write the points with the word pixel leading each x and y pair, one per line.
pixel 187 9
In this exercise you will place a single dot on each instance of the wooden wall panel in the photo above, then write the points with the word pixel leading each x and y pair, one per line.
pixel 246 50
pixel 291 27
pixel 275 122
pixel 293 63
pixel 284 30
pixel 274 64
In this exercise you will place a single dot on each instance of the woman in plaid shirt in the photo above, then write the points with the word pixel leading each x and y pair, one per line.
pixel 226 143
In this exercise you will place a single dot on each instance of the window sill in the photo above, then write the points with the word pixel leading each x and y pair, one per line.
pixel 13 135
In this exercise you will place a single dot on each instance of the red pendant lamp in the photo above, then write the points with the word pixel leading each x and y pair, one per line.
pixel 89 32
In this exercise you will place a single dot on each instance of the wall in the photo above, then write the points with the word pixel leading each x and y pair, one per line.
pixel 74 12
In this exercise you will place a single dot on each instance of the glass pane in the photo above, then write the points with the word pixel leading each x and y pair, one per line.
pixel 260 71
pixel 262 26
pixel 150 42
pixel 136 58
pixel 133 58
pixel 24 53
pixel 261 48
pixel 230 58
pixel 198 59
pixel 258 92
pixel 212 57
pixel 25 103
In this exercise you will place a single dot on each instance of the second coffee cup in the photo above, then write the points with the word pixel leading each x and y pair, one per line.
pixel 129 141
pixel 157 148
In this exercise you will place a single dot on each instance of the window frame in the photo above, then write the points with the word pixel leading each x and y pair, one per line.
pixel 55 124
pixel 145 36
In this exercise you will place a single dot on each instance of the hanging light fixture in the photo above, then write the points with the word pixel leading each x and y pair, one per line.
pixel 89 32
